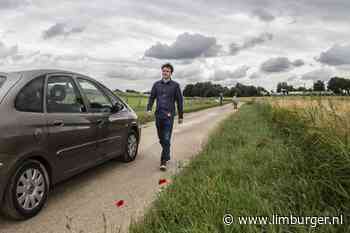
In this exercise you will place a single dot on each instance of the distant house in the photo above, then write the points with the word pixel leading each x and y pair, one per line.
pixel 296 93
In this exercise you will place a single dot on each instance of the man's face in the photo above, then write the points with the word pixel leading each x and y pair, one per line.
pixel 166 72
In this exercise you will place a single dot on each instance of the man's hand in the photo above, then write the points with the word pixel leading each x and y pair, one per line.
pixel 180 120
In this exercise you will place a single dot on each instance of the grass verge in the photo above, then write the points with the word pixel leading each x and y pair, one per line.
pixel 257 163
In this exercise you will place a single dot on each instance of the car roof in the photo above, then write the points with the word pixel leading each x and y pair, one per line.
pixel 32 73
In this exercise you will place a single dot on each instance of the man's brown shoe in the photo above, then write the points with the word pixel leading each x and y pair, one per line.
pixel 163 165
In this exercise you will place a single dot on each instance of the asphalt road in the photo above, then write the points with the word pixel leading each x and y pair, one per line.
pixel 81 203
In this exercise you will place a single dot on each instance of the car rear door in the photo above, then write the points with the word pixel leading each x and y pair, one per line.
pixel 72 130
pixel 111 127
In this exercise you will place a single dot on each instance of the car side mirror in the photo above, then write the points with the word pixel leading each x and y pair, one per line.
pixel 117 107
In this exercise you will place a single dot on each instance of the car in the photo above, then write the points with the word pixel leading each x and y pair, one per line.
pixel 55 124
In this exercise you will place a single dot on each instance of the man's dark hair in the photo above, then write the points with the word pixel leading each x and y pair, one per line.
pixel 168 65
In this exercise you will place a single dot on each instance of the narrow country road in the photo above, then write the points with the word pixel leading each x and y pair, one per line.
pixel 84 199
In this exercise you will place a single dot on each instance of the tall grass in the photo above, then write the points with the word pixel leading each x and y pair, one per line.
pixel 261 162
pixel 321 129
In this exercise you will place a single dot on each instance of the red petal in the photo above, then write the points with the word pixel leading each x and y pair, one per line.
pixel 119 203
pixel 162 181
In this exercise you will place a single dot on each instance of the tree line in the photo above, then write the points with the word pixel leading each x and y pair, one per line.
pixel 209 89
pixel 337 85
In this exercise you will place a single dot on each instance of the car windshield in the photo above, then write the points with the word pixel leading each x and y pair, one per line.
pixel 2 80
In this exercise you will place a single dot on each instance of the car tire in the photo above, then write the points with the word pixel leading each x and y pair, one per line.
pixel 132 144
pixel 27 191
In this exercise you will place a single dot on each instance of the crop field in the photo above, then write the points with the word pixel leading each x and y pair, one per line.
pixel 139 102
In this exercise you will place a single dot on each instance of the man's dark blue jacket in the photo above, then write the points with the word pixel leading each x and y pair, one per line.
pixel 166 93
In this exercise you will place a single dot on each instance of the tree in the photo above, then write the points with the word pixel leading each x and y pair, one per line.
pixel 284 87
pixel 208 89
pixel 301 89
pixel 188 91
pixel 131 91
pixel 338 85
pixel 319 86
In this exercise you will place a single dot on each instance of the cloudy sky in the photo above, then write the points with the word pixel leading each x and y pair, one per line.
pixel 124 43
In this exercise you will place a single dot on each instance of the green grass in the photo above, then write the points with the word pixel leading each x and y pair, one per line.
pixel 257 163
pixel 139 102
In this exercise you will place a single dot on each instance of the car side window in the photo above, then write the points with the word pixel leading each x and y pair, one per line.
pixel 63 96
pixel 115 99
pixel 98 101
pixel 30 98
pixel 2 80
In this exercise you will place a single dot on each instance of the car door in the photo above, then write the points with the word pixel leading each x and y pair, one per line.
pixel 111 127
pixel 72 130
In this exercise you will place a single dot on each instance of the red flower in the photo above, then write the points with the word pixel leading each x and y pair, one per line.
pixel 119 203
pixel 162 181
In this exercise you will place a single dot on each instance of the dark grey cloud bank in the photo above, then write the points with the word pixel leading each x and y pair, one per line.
pixel 335 56
pixel 280 64
pixel 61 29
pixel 186 46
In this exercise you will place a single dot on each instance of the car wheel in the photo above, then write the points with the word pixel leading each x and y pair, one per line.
pixel 27 191
pixel 131 149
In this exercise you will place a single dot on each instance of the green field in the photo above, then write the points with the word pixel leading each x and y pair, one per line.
pixel 139 102
pixel 262 161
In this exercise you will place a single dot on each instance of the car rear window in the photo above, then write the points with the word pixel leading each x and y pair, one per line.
pixel 2 80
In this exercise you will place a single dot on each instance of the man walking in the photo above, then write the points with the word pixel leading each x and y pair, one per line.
pixel 167 92
pixel 235 101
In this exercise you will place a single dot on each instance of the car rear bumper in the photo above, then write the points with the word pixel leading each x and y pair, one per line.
pixel 6 165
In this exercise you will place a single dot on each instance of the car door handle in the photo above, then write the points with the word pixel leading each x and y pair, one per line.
pixel 58 123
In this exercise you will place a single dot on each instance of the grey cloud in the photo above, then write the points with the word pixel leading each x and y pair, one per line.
pixel 76 30
pixel 250 43
pixel 337 55
pixel 61 29
pixel 255 75
pixel 186 46
pixel 298 62
pixel 320 74
pixel 234 48
pixel 263 15
pixel 55 30
pixel 280 64
pixel 221 75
